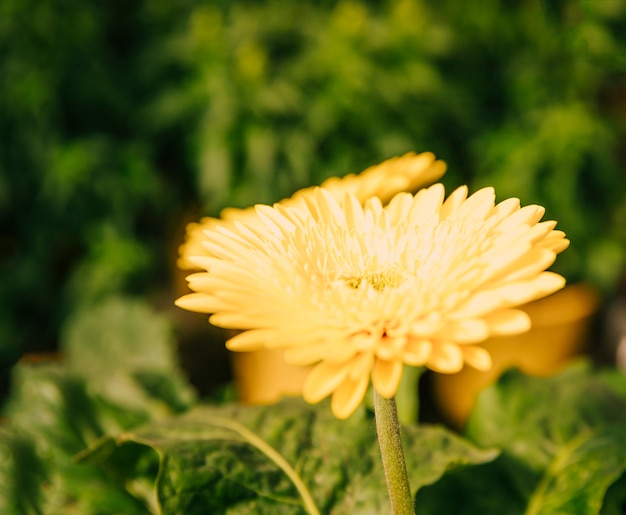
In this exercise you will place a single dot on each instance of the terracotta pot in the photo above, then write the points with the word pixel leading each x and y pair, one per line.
pixel 263 377
pixel 558 334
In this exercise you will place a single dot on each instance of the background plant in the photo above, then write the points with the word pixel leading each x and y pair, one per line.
pixel 120 121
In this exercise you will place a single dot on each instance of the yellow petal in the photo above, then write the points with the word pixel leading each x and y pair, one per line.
pixel 416 352
pixel 478 205
pixel 248 340
pixel 465 331
pixel 452 203
pixel 361 365
pixel 399 206
pixel 348 396
pixel 505 208
pixel 386 377
pixel 274 220
pixel 508 321
pixel 426 205
pixel 354 213
pixel 323 380
pixel 477 305
pixel 198 302
pixel 390 348
pixel 306 354
pixel 528 215
pixel 477 357
pixel 530 265
pixel 446 358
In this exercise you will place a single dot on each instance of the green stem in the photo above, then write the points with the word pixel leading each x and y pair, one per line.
pixel 388 430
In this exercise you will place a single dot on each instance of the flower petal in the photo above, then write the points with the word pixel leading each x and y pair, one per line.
pixel 477 357
pixel 446 358
pixel 322 380
pixel 416 352
pixel 464 331
pixel 348 396
pixel 508 321
pixel 386 376
pixel 198 302
pixel 478 205
pixel 452 203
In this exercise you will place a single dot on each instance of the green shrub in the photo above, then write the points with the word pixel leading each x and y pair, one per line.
pixel 122 120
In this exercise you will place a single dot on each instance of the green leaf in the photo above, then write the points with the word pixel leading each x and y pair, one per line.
pixel 56 417
pixel 276 459
pixel 581 473
pixel 21 473
pixel 499 487
pixel 534 418
pixel 563 441
pixel 615 499
pixel 126 351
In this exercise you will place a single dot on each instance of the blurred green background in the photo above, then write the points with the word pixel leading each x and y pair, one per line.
pixel 120 121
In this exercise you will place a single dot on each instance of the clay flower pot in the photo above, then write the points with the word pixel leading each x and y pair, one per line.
pixel 263 376
pixel 558 334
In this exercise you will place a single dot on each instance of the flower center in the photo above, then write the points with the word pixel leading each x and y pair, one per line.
pixel 377 280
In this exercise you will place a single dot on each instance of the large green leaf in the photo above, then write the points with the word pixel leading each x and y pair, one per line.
pixel 564 445
pixel 581 473
pixel 242 459
pixel 53 416
pixel 534 419
pixel 118 372
pixel 126 350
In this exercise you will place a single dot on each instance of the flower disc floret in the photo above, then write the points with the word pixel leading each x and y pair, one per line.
pixel 360 291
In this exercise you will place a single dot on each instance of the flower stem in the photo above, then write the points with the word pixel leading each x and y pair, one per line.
pixel 388 430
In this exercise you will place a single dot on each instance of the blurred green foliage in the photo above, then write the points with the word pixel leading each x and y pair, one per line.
pixel 121 120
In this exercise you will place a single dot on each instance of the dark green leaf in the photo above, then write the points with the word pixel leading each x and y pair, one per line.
pixel 532 418
pixel 563 440
pixel 222 459
pixel 615 499
pixel 496 488
pixel 21 474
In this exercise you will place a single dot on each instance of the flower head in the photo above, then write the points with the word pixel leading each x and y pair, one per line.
pixel 360 291
pixel 404 173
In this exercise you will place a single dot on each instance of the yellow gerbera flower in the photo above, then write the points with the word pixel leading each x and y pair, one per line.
pixel 404 173
pixel 359 291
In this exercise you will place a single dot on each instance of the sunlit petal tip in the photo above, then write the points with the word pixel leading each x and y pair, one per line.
pixel 454 200
pixel 478 205
pixel 426 204
pixel 199 281
pixel 549 282
pixel 558 245
pixel 197 302
pixel 246 341
pixel 506 208
pixel 508 321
